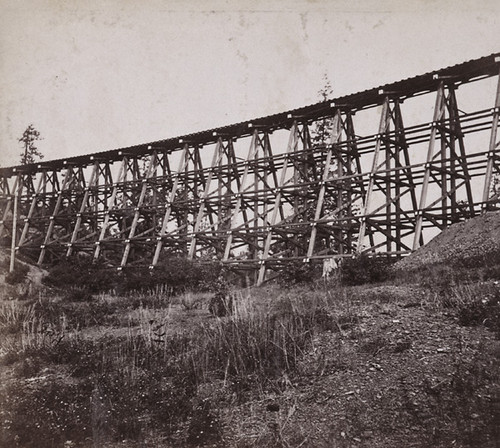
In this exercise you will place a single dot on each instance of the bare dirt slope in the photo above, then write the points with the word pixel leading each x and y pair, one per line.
pixel 477 237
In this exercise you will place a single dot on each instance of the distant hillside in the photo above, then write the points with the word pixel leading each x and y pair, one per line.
pixel 478 237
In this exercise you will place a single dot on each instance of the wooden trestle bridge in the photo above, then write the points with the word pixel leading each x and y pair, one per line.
pixel 382 170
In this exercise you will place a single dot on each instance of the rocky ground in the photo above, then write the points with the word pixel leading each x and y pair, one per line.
pixel 405 374
pixel 473 239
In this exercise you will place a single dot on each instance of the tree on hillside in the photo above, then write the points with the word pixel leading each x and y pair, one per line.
pixel 312 172
pixel 320 135
pixel 337 200
pixel 322 128
pixel 31 154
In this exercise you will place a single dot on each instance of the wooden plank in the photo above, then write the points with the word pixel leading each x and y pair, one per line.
pixel 439 109
pixel 493 150
pixel 292 145
pixel 83 206
pixel 166 217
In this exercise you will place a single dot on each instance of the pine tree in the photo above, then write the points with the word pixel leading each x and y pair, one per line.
pixel 31 154
pixel 322 128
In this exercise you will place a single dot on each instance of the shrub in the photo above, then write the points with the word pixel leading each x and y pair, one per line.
pixel 182 274
pixel 191 302
pixel 297 273
pixel 18 275
pixel 221 304
pixel 476 305
pixel 177 273
pixel 93 277
pixel 119 389
pixel 78 311
pixel 481 311
pixel 364 269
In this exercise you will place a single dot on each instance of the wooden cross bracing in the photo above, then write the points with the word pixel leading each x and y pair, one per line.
pixel 274 192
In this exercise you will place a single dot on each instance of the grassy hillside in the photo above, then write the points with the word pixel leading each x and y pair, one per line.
pixel 405 362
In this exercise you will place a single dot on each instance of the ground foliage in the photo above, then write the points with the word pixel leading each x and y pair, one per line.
pixel 364 268
pixel 384 359
pixel 176 273
pixel 18 275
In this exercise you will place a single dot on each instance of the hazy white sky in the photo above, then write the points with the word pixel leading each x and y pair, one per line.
pixel 104 74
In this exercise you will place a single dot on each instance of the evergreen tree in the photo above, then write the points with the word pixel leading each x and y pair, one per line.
pixel 31 154
pixel 322 128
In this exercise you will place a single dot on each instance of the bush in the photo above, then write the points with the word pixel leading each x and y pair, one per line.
pixel 476 305
pixel 78 309
pixel 85 275
pixel 179 274
pixel 221 304
pixel 18 275
pixel 297 273
pixel 364 269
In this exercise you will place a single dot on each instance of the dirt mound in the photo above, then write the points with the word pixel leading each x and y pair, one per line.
pixel 474 239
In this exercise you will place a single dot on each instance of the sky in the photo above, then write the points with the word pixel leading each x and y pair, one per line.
pixel 103 74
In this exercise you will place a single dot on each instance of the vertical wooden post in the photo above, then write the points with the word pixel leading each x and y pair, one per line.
pixel 119 178
pixel 292 144
pixel 31 210
pixel 9 204
pixel 216 160
pixel 83 205
pixel 255 142
pixel 334 139
pixel 159 239
pixel 251 154
pixel 371 182
pixel 438 113
pixel 14 229
pixel 493 152
pixel 67 177
pixel 138 205
pixel 399 146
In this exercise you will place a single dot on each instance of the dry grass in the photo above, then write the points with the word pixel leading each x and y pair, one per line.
pixel 158 369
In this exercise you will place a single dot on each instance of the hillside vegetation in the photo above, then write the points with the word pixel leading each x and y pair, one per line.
pixel 407 356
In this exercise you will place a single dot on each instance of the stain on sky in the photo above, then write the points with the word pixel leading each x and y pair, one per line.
pixel 303 20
